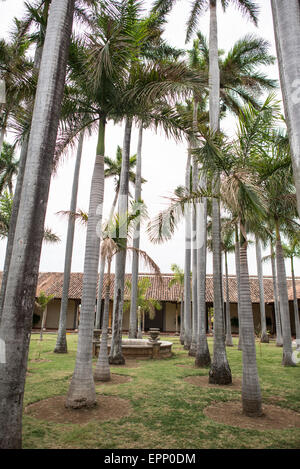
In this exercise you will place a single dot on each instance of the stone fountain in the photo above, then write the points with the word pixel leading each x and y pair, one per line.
pixel 142 348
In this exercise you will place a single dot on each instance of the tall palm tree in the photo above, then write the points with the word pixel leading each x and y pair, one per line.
pixel 102 371
pixel 227 247
pixel 113 169
pixel 136 242
pixel 238 279
pixel 187 261
pixel 116 344
pixel 242 194
pixel 112 96
pixel 21 88
pixel 99 86
pixel 220 371
pixel 279 341
pixel 18 306
pixel 264 338
pixel 281 209
pixel 287 36
pixel 109 248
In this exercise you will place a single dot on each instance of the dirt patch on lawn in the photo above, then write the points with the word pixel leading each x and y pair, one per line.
pixel 274 418
pixel 54 410
pixel 115 379
pixel 203 381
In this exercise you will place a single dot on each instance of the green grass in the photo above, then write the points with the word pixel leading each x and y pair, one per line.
pixel 167 412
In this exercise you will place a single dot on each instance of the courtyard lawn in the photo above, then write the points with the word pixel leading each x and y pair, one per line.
pixel 167 412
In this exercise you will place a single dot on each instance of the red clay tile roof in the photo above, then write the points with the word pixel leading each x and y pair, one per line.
pixel 52 283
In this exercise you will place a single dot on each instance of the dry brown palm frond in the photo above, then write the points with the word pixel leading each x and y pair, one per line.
pixel 108 248
pixel 148 261
pixel 79 215
pixel 242 194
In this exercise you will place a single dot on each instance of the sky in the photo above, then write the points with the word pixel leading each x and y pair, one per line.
pixel 163 160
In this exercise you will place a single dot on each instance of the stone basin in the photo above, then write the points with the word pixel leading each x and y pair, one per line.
pixel 142 348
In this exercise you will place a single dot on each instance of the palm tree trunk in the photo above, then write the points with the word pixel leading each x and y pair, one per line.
pixel 116 355
pixel 136 243
pixel 2 135
pixel 264 338
pixel 102 370
pixel 219 372
pixel 13 221
pixel 139 319
pixel 17 195
pixel 187 262
pixel 202 354
pixel 279 342
pixel 99 295
pixel 82 390
pixel 44 319
pixel 287 36
pixel 295 303
pixel 61 342
pixel 251 394
pixel 102 268
pixel 238 274
pixel 287 359
pixel 22 278
pixel 193 347
pixel 182 321
pixel 228 318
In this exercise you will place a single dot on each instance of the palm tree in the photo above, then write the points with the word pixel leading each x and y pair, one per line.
pixel 109 248
pixel 264 338
pixel 136 242
pixel 227 246
pixel 279 342
pixel 98 87
pixel 15 76
pixel 276 176
pixel 18 306
pixel 146 305
pixel 178 279
pixel 291 251
pixel 116 356
pixel 42 302
pixel 61 342
pixel 187 262
pixel 113 169
pixel 102 371
pixel 220 371
pixel 8 167
pixel 241 195
pixel 21 77
pixel 238 278
pixel 286 27
pixel 107 88
pixel 6 208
